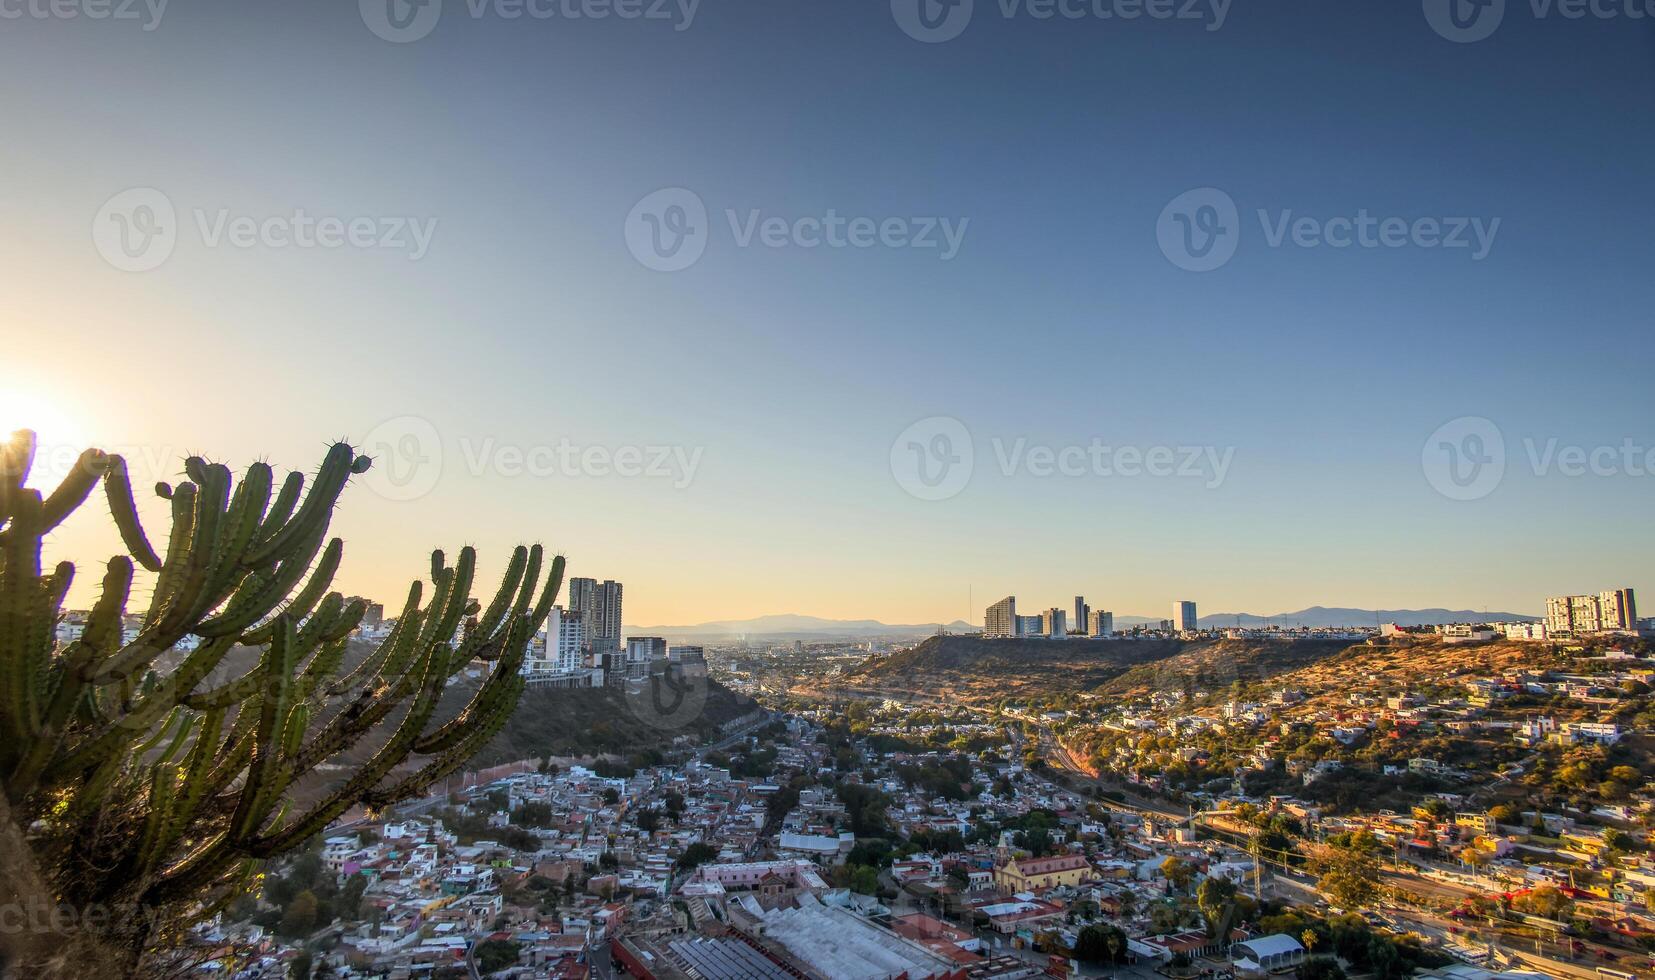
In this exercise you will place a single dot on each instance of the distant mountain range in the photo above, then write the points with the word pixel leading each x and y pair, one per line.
pixel 792 626
pixel 1319 616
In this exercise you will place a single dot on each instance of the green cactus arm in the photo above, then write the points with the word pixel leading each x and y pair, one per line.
pixel 276 517
pixel 316 509
pixel 501 602
pixel 101 633
pixel 315 587
pixel 260 594
pixel 175 565
pixel 178 690
pixel 75 488
pixel 117 486
pixel 403 633
pixel 274 702
pixel 479 735
pixel 240 522
pixel 548 595
pixel 20 588
pixel 192 788
pixel 16 459
pixel 487 699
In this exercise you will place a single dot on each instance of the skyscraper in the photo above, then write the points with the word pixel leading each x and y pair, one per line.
pixel 1083 613
pixel 1102 623
pixel 583 595
pixel 607 617
pixel 1184 619
pixel 598 604
pixel 1000 619
pixel 1053 625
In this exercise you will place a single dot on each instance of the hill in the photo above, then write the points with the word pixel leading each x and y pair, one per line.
pixel 603 721
pixel 971 668
pixel 1323 616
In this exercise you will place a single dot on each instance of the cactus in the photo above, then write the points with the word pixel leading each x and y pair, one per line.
pixel 139 780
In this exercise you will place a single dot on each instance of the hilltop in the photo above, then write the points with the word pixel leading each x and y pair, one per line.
pixel 970 666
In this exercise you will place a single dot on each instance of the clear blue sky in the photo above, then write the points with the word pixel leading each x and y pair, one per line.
pixel 793 370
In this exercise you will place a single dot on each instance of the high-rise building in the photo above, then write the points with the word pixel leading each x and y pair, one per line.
pixel 641 651
pixel 1053 625
pixel 1184 619
pixel 1578 615
pixel 1030 626
pixel 1000 619
pixel 1083 613
pixel 583 595
pixel 599 606
pixel 1102 623
pixel 608 618
pixel 686 654
pixel 564 640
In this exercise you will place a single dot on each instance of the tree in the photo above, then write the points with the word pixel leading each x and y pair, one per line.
pixel 164 787
pixel 1321 969
pixel 1098 944
pixel 1349 876
pixel 1178 871
pixel 299 969
pixel 495 954
pixel 695 855
pixel 1215 897
pixel 299 920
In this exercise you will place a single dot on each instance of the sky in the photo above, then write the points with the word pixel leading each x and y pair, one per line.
pixel 577 280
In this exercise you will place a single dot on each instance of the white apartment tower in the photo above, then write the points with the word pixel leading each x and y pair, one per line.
pixel 1102 623
pixel 1184 619
pixel 1579 615
pixel 1000 619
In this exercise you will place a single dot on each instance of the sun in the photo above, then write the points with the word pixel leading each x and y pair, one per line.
pixel 59 435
